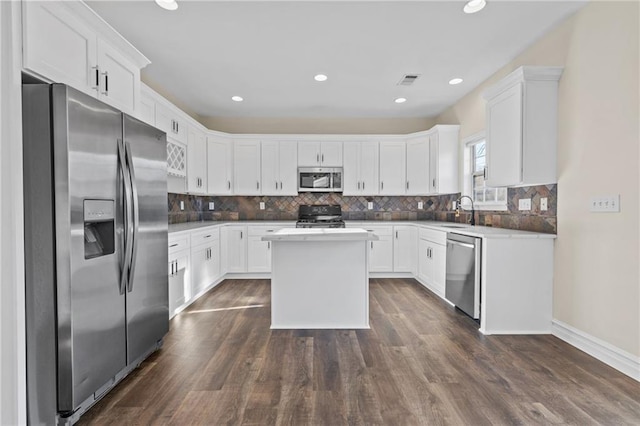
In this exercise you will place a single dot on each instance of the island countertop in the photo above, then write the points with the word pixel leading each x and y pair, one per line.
pixel 321 234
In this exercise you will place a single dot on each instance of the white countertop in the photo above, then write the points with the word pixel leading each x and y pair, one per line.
pixel 320 234
pixel 458 228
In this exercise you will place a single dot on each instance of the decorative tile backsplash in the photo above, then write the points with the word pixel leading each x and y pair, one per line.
pixel 385 208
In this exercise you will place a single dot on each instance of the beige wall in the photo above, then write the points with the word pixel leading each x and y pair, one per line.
pixel 318 125
pixel 596 278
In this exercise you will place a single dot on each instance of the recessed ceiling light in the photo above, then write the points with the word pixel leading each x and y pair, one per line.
pixel 167 4
pixel 455 81
pixel 400 100
pixel 320 77
pixel 474 6
pixel 237 98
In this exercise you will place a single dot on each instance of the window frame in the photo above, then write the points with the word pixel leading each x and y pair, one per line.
pixel 469 174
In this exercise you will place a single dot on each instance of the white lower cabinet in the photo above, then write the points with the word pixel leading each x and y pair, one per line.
pixel 432 261
pixel 205 259
pixel 381 251
pixel 233 239
pixel 258 251
pixel 179 272
pixel 405 240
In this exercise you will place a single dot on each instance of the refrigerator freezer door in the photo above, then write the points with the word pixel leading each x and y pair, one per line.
pixel 91 310
pixel 148 290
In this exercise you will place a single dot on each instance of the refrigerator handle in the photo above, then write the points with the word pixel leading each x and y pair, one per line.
pixel 136 216
pixel 124 270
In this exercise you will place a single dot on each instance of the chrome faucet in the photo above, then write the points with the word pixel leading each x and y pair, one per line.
pixel 472 222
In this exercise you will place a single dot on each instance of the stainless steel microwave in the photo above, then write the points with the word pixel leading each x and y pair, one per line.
pixel 320 179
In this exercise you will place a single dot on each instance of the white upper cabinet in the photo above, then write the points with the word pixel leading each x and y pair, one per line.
pixel 219 165
pixel 443 160
pixel 279 167
pixel 196 161
pixel 246 167
pixel 147 112
pixel 392 167
pixel 66 42
pixel 521 127
pixel 319 154
pixel 360 175
pixel 170 121
pixel 418 177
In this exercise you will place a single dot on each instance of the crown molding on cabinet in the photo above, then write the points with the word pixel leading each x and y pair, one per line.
pixel 528 73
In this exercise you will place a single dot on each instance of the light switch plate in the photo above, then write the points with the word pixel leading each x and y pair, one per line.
pixel 261 205
pixel 605 204
pixel 420 205
pixel 181 205
pixel 370 205
pixel 524 204
pixel 544 204
pixel 211 205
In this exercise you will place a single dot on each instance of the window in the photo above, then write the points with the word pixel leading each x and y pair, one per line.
pixel 484 197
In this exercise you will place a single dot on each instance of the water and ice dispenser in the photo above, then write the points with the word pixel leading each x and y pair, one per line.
pixel 99 227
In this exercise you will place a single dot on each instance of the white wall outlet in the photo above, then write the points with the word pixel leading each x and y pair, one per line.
pixel 605 204
pixel 543 204
pixel 453 205
pixel 370 205
pixel 420 205
pixel 181 205
pixel 261 205
pixel 211 205
pixel 524 204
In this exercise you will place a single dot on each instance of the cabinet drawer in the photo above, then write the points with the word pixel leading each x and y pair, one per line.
pixel 204 236
pixel 260 230
pixel 438 237
pixel 178 242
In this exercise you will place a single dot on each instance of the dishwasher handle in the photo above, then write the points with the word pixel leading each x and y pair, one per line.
pixel 467 245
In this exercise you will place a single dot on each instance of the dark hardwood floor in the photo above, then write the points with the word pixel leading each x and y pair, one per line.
pixel 421 362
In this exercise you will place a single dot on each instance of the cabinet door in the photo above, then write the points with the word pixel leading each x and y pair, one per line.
pixel 392 168
pixel 58 46
pixel 418 166
pixel 404 248
pixel 246 167
pixel 119 79
pixel 270 178
pixel 504 138
pixel 205 265
pixel 424 262
pixel 433 164
pixel 351 171
pixel 219 165
pixel 439 261
pixel 381 254
pixel 167 120
pixel 196 162
pixel 288 168
pixel 179 280
pixel 309 154
pixel 331 154
pixel 258 255
pixel 369 168
pixel 236 249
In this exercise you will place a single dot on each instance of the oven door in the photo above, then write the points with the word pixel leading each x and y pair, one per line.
pixel 319 180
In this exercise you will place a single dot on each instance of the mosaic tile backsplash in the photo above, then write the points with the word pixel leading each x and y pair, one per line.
pixel 196 208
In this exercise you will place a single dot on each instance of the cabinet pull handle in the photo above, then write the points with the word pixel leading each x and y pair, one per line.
pixel 363 185
pixel 257 185
pixel 171 273
pixel 97 86
pixel 371 245
pixel 323 158
pixel 434 183
pixel 358 185
pixel 381 185
pixel 276 184
pixel 240 234
pixel 280 185
pixel 177 127
pixel 269 245
pixel 173 245
pixel 484 173
pixel 407 184
pixel 229 185
pixel 207 236
pixel 106 83
pixel 396 235
pixel 317 158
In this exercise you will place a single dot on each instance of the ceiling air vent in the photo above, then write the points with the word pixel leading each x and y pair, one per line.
pixel 408 79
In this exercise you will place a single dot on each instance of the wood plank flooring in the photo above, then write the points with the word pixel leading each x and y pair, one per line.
pixel 422 362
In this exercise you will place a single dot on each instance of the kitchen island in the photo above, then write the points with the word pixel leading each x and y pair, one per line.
pixel 320 278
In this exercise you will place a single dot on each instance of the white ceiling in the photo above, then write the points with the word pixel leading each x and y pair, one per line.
pixel 268 52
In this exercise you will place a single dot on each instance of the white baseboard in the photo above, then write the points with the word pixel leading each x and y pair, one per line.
pixel 615 357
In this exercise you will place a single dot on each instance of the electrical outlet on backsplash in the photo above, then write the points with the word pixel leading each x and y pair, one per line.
pixel 387 208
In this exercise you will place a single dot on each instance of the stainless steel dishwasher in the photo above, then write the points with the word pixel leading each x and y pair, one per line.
pixel 463 273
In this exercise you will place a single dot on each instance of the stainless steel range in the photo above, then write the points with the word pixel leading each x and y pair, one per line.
pixel 320 216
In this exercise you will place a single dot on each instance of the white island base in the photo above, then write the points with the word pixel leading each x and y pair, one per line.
pixel 320 278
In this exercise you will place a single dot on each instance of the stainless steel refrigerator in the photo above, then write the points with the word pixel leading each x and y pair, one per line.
pixel 96 257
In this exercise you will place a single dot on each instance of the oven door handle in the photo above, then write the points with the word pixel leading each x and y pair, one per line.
pixel 467 245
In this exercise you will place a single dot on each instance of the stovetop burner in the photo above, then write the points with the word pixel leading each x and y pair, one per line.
pixel 320 216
